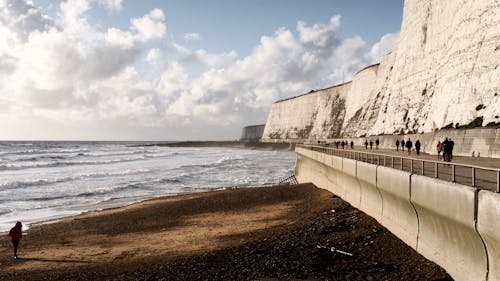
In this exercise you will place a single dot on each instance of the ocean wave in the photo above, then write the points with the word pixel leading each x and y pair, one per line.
pixel 169 180
pixel 28 165
pixel 39 182
pixel 214 164
pixel 43 161
pixel 106 190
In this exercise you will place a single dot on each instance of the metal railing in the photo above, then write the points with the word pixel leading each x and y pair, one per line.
pixel 475 176
pixel 291 180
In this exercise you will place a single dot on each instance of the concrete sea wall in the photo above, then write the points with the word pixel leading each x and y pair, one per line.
pixel 453 225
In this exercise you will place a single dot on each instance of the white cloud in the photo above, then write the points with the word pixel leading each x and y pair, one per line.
pixel 154 56
pixel 383 46
pixel 150 26
pixel 209 59
pixel 66 71
pixel 111 5
pixel 318 34
pixel 72 10
pixel 192 36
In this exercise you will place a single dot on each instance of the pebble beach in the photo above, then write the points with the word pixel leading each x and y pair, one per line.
pixel 261 233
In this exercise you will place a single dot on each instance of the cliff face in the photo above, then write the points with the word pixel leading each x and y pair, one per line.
pixel 446 69
pixel 317 115
pixel 252 133
pixel 444 72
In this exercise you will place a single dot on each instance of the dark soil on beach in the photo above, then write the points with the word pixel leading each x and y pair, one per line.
pixel 307 251
pixel 321 237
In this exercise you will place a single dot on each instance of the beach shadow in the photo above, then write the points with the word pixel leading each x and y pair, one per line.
pixel 53 260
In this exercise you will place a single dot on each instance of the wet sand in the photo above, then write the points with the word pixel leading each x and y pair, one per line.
pixel 262 233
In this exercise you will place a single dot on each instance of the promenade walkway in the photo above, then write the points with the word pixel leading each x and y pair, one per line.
pixel 479 172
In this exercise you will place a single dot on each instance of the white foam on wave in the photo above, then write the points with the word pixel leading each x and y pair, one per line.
pixel 83 175
pixel 118 175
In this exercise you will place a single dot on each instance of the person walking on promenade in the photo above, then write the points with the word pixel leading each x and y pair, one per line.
pixel 397 144
pixel 352 145
pixel 371 144
pixel 409 145
pixel 377 142
pixel 342 144
pixel 446 150
pixel 15 234
pixel 366 144
pixel 417 147
pixel 452 144
pixel 439 148
pixel 403 145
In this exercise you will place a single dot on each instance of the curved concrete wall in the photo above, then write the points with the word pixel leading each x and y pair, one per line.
pixel 371 199
pixel 398 214
pixel 435 217
pixel 348 180
pixel 309 170
pixel 447 233
pixel 489 228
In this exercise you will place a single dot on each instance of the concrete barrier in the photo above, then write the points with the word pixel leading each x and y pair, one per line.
pixel 348 180
pixel 487 224
pixel 334 175
pixel 371 200
pixel 309 170
pixel 398 214
pixel 447 232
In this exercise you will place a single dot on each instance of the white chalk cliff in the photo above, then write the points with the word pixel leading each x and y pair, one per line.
pixel 443 72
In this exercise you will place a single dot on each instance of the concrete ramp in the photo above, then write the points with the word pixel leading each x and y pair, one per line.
pixel 447 232
pixel 398 214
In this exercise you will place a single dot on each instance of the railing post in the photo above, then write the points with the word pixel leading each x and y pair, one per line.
pixel 436 173
pixel 473 176
pixel 453 173
pixel 384 161
pixel 401 163
pixel 498 181
pixel 392 165
pixel 422 167
pixel 411 166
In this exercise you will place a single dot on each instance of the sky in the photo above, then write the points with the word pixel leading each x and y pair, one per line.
pixel 175 69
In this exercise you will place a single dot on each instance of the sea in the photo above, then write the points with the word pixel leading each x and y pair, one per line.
pixel 48 180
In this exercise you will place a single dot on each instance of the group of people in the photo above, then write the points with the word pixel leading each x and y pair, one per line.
pixel 409 145
pixel 445 147
pixel 344 144
pixel 377 142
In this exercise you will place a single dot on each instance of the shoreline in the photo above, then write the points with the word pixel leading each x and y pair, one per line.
pixel 254 233
pixel 232 144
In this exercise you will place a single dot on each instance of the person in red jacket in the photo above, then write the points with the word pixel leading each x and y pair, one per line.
pixel 15 234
